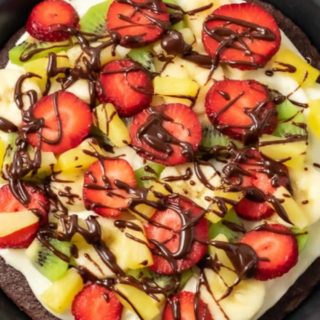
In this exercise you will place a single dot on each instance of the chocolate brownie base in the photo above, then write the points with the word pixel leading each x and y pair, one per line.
pixel 13 283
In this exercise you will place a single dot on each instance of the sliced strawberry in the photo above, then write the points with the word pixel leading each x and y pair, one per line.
pixel 66 121
pixel 252 210
pixel 241 109
pixel 96 302
pixel 177 235
pixel 137 22
pixel 127 85
pixel 185 304
pixel 38 204
pixel 168 134
pixel 276 247
pixel 106 186
pixel 49 20
pixel 243 35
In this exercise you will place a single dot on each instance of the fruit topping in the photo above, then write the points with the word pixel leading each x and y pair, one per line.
pixel 253 210
pixel 137 23
pixel 50 19
pixel 276 247
pixel 20 223
pixel 243 35
pixel 187 306
pixel 177 235
pixel 167 134
pixel 61 121
pixel 127 85
pixel 241 109
pixel 107 185
pixel 96 302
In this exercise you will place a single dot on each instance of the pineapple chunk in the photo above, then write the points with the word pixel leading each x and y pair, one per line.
pixel 108 121
pixel 59 296
pixel 295 151
pixel 169 86
pixel 48 161
pixel 314 117
pixel 293 210
pixel 76 160
pixel 146 306
pixel 305 74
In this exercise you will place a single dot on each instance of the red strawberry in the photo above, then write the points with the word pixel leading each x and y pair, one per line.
pixel 137 22
pixel 96 302
pixel 187 307
pixel 102 191
pixel 243 35
pixel 252 210
pixel 66 122
pixel 49 19
pixel 38 204
pixel 276 247
pixel 168 232
pixel 241 109
pixel 167 134
pixel 127 85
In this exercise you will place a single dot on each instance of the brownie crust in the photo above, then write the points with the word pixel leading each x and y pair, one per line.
pixel 15 286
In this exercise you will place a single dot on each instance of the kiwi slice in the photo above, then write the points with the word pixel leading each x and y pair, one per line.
pixel 211 138
pixel 302 238
pixel 144 57
pixel 94 20
pixel 287 110
pixel 151 170
pixel 31 50
pixel 48 263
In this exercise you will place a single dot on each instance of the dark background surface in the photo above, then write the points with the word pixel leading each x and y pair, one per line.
pixel 305 13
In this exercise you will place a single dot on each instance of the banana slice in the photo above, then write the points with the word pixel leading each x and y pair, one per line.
pixel 8 107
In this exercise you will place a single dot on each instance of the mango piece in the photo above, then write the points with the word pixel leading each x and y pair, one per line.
pixel 169 86
pixel 278 148
pixel 59 296
pixel 295 213
pixel 313 118
pixel 108 121
pixel 305 74
pixel 147 307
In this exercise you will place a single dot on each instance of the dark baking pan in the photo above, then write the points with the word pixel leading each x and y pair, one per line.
pixel 304 13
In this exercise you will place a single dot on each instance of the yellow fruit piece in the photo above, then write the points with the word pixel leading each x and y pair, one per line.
pixel 59 296
pixel 108 121
pixel 305 74
pixel 3 148
pixel 279 149
pixel 147 307
pixel 169 86
pixel 314 117
pixel 40 66
pixel 75 160
pixel 295 213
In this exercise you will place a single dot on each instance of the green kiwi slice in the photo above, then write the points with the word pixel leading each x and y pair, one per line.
pixel 144 57
pixel 212 138
pixel 151 170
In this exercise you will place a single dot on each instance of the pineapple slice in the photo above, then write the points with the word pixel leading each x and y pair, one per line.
pixel 294 211
pixel 295 151
pixel 108 121
pixel 59 296
pixel 305 74
pixel 170 86
pixel 314 117
pixel 137 300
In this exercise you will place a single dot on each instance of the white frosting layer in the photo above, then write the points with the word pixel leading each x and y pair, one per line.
pixel 275 288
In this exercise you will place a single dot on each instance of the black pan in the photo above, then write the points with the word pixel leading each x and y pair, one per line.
pixel 304 13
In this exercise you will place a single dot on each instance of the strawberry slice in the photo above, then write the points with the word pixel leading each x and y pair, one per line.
pixel 185 304
pixel 242 35
pixel 95 302
pixel 65 121
pixel 251 210
pixel 177 235
pixel 38 204
pixel 241 109
pixel 276 247
pixel 107 185
pixel 137 23
pixel 127 85
pixel 168 134
pixel 49 20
